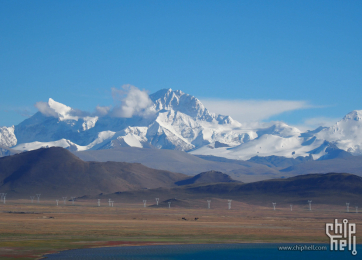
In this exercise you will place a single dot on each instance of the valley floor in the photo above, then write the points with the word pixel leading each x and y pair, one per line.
pixel 29 231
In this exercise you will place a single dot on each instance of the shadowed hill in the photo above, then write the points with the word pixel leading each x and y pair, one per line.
pixel 207 177
pixel 322 188
pixel 56 171
pixel 315 183
pixel 178 161
pixel 279 161
pixel 351 164
pixel 330 188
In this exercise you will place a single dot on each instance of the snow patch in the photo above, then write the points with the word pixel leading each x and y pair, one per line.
pixel 7 136
pixel 37 145
pixel 89 122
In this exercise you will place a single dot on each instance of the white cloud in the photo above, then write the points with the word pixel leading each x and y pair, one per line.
pixel 253 110
pixel 132 101
pixel 24 111
pixel 315 122
pixel 102 110
pixel 129 101
pixel 321 121
pixel 45 109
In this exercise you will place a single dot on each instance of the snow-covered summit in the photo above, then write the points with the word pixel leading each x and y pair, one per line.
pixel 346 134
pixel 64 112
pixel 280 129
pixel 167 99
pixel 61 110
pixel 355 115
pixel 178 101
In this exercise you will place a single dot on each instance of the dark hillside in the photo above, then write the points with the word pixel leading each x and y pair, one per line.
pixel 55 170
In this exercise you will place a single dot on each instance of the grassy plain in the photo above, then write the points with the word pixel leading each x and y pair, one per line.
pixel 28 231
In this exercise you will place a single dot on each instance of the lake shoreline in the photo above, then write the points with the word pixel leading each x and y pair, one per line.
pixel 150 244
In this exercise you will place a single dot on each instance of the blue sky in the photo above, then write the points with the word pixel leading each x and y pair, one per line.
pixel 305 56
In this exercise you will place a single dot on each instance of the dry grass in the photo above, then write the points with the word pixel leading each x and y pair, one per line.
pixel 45 228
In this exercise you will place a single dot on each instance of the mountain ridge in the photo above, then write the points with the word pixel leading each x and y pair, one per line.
pixel 179 121
pixel 328 188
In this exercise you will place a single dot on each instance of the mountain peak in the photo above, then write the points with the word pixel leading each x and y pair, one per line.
pixel 161 93
pixel 355 115
pixel 59 108
pixel 168 99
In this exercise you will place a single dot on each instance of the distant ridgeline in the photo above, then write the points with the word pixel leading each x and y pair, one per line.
pixel 56 172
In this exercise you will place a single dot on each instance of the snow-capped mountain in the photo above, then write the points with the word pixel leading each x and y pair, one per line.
pixel 279 139
pixel 346 134
pixel 283 140
pixel 178 121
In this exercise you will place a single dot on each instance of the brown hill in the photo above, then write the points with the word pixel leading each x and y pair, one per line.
pixel 56 171
pixel 206 177
pixel 330 188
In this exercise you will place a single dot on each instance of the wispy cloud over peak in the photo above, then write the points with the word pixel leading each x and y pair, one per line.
pixel 45 109
pixel 253 110
pixel 130 101
pixel 102 110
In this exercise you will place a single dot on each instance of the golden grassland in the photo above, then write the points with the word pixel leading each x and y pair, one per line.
pixel 28 231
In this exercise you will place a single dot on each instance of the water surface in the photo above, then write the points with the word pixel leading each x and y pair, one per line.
pixel 203 251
